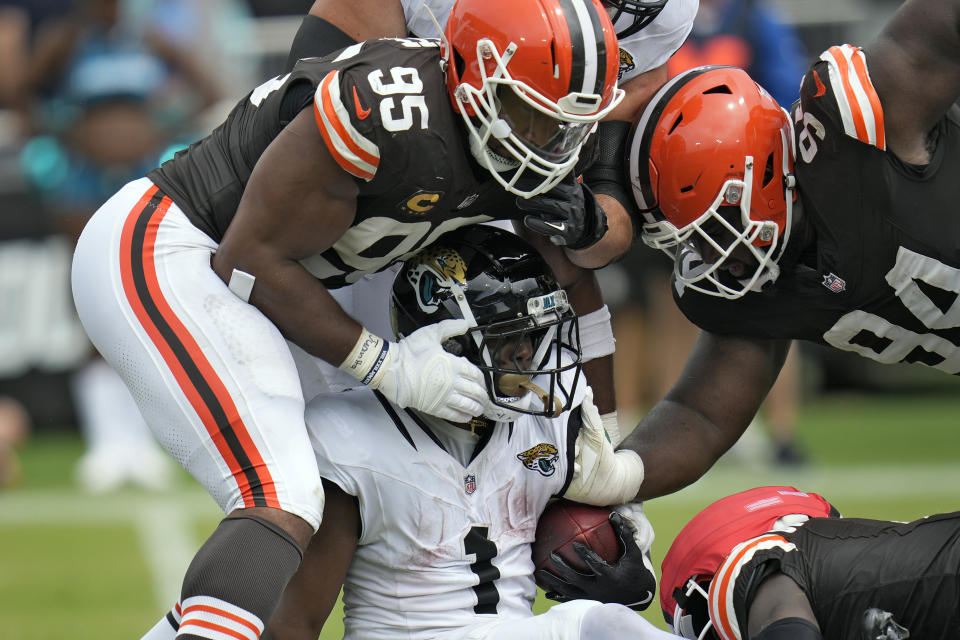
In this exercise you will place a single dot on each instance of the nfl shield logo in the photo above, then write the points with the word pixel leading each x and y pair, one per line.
pixel 469 200
pixel 834 283
pixel 470 483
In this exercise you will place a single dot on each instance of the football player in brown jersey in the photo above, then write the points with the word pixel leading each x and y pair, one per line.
pixel 832 224
pixel 206 283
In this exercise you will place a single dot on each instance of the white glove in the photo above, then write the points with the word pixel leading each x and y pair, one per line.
pixel 416 372
pixel 642 534
pixel 643 531
pixel 601 476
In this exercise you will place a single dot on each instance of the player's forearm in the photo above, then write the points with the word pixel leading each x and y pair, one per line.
pixel 677 446
pixel 615 242
pixel 599 375
pixel 585 296
pixel 363 19
pixel 639 91
pixel 293 299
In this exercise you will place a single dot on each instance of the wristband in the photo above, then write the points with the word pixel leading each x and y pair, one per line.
pixel 366 359
pixel 596 335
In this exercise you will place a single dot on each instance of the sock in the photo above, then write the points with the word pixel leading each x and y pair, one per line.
pixel 236 579
pixel 166 627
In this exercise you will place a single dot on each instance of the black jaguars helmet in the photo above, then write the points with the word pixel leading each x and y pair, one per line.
pixel 524 335
pixel 643 13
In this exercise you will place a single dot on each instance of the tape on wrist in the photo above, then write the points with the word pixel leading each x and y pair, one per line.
pixel 612 426
pixel 628 477
pixel 366 359
pixel 596 335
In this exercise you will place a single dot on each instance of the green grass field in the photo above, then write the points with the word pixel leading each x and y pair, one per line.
pixel 106 567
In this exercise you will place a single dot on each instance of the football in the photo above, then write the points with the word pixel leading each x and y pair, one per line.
pixel 563 523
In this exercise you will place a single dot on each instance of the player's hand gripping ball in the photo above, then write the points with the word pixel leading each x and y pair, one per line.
pixel 565 522
pixel 587 552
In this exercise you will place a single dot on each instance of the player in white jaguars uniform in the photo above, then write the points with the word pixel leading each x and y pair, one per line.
pixel 432 522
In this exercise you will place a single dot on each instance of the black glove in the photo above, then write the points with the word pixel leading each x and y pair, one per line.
pixel 568 214
pixel 630 581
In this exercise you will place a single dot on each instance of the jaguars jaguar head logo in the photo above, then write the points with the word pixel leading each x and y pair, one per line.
pixel 432 273
pixel 541 458
pixel 626 63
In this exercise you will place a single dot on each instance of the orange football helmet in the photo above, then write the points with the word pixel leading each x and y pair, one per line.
pixel 531 80
pixel 711 167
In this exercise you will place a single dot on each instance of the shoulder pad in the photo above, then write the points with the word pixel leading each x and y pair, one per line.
pixel 857 102
pixel 357 154
pixel 653 45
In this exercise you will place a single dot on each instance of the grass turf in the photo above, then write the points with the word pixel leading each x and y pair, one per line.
pixel 84 567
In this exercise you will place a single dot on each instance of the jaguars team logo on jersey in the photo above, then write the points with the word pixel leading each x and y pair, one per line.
pixel 420 203
pixel 433 272
pixel 541 458
pixel 626 63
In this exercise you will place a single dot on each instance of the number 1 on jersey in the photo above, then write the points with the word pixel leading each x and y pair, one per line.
pixel 476 542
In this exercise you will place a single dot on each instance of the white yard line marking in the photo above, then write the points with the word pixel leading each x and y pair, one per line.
pixel 168 546
pixel 36 507
pixel 24 507
pixel 940 480
pixel 163 521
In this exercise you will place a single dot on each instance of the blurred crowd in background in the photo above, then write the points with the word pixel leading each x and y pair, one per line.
pixel 94 93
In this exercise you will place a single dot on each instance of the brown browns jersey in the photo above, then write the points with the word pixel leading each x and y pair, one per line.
pixel 883 277
pixel 384 112
pixel 845 566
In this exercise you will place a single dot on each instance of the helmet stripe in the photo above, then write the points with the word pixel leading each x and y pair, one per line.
pixel 643 194
pixel 588 46
pixel 720 599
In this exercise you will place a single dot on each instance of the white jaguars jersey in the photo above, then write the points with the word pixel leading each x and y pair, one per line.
pixel 643 51
pixel 653 45
pixel 445 544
